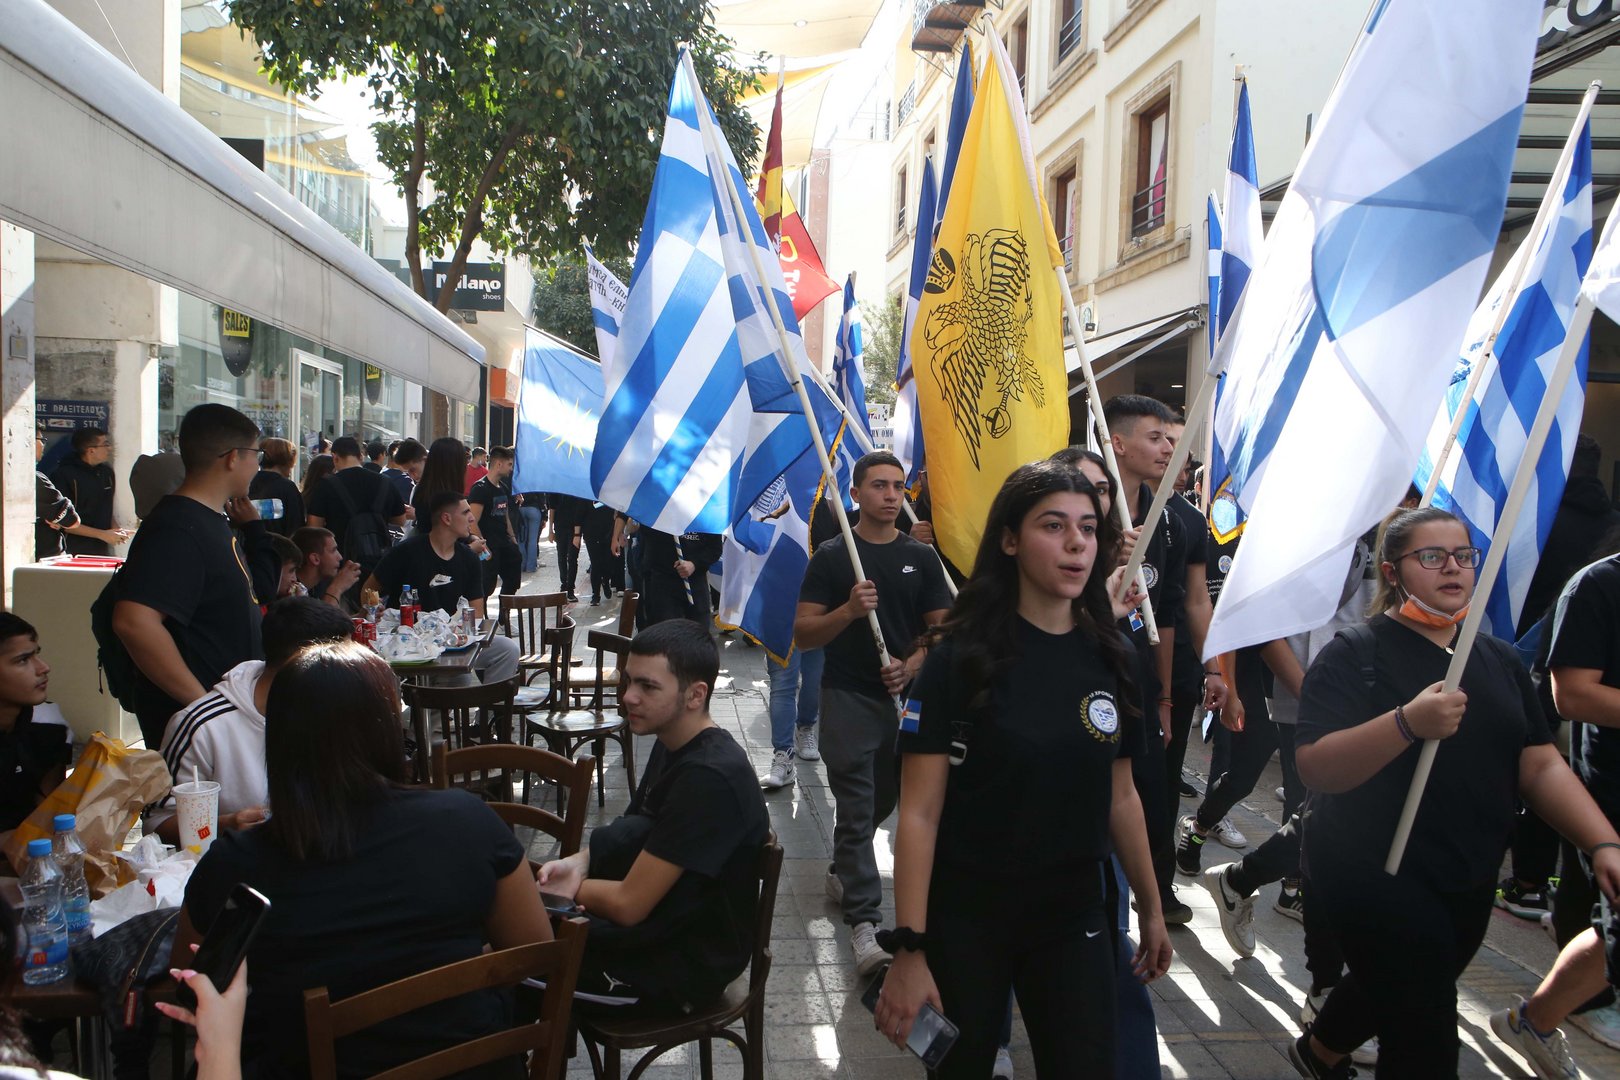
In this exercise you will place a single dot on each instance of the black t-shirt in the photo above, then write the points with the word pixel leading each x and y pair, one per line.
pixel 568 512
pixel 188 563
pixel 91 489
pixel 1165 564
pixel 909 583
pixel 659 552
pixel 1042 753
pixel 402 483
pixel 1586 634
pixel 269 484
pixel 1188 669
pixel 1463 825
pixel 33 750
pixel 369 491
pixel 496 499
pixel 699 808
pixel 415 895
pixel 440 581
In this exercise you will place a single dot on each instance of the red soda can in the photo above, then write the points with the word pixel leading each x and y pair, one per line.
pixel 407 614
pixel 359 629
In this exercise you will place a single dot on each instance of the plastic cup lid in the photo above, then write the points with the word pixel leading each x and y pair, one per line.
pixel 39 847
pixel 63 822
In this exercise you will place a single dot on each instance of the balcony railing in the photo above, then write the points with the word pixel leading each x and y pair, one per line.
pixel 1147 208
pixel 1069 34
pixel 1066 245
pixel 900 221
pixel 937 25
pixel 908 102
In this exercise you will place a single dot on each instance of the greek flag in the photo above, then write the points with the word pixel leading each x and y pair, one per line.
pixel 608 296
pixel 1347 332
pixel 766 555
pixel 849 372
pixel 693 424
pixel 1234 255
pixel 1496 422
pixel 908 436
pixel 1213 232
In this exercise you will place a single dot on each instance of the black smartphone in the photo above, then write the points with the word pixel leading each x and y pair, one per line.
pixel 226 944
pixel 932 1036
pixel 559 905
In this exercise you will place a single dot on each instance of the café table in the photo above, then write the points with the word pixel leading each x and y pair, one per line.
pixel 448 668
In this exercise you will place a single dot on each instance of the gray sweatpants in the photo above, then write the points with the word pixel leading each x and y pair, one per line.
pixel 857 746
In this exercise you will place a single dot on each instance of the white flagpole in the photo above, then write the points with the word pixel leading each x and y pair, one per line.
pixel 1579 321
pixel 1167 482
pixel 1555 187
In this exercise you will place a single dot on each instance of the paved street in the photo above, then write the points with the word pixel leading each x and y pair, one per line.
pixel 1218 1017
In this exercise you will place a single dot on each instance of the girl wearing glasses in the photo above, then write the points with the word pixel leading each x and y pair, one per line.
pixel 1372 695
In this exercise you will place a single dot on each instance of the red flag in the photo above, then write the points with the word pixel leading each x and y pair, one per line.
pixel 807 280
pixel 770 175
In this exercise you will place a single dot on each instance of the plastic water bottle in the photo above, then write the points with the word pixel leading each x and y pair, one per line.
pixel 409 605
pixel 45 957
pixel 69 854
pixel 269 509
pixel 466 622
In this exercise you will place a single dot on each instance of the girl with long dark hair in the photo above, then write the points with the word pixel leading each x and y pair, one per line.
pixel 1370 697
pixel 444 470
pixel 1016 782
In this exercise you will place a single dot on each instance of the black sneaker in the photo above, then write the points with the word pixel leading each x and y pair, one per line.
pixel 1525 901
pixel 1313 1067
pixel 1176 913
pixel 1190 849
pixel 1291 901
pixel 1188 791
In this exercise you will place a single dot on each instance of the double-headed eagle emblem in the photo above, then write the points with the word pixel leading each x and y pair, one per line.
pixel 983 332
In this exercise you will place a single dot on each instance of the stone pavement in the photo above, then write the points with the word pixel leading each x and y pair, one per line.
pixel 1218 1016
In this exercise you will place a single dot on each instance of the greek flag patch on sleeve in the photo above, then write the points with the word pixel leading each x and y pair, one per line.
pixel 911 716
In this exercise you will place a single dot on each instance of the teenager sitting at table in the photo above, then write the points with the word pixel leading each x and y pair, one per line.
pixel 35 743
pixel 220 736
pixel 670 886
pixel 369 880
pixel 322 570
pixel 443 569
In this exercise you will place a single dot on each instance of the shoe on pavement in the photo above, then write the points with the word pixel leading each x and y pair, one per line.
pixel 1365 1054
pixel 835 885
pixel 1603 1025
pixel 1525 901
pixel 1313 1067
pixel 1548 1055
pixel 1237 913
pixel 1176 913
pixel 1549 929
pixel 1291 902
pixel 1187 790
pixel 783 772
pixel 1229 834
pixel 806 744
pixel 1280 794
pixel 1189 848
pixel 869 955
pixel 1003 1068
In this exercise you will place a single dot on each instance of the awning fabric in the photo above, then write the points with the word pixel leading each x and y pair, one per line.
pixel 99 160
pixel 1100 346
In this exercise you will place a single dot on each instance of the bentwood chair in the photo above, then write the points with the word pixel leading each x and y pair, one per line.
pixel 532 616
pixel 480 769
pixel 588 712
pixel 472 715
pixel 743 1000
pixel 628 602
pixel 544 1041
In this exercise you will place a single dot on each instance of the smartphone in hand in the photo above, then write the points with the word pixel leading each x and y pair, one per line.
pixel 932 1036
pixel 225 945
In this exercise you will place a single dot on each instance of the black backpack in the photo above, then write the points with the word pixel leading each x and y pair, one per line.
pixel 117 670
pixel 368 534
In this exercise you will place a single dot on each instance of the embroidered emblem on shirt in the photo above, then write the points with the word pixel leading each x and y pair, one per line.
pixel 1101 716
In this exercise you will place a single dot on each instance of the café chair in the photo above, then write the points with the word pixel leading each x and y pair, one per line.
pixel 628 601
pixel 743 1000
pixel 586 710
pixel 474 714
pixel 478 768
pixel 544 1040
pixel 532 616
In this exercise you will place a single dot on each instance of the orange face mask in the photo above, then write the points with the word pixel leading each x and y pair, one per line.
pixel 1424 615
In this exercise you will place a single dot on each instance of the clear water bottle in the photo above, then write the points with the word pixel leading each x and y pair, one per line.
pixel 269 509
pixel 69 854
pixel 466 621
pixel 45 957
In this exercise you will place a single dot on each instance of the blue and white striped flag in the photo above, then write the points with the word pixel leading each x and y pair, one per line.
pixel 1347 332
pixel 558 408
pixel 1490 444
pixel 1213 231
pixel 766 555
pixel 694 426
pixel 908 436
pixel 849 369
pixel 608 296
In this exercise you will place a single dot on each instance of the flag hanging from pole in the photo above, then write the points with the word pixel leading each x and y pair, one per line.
pixel 807 280
pixel 770 175
pixel 1213 232
pixel 961 109
pixel 608 296
pixel 1347 331
pixel 1496 423
pixel 987 345
pixel 908 435
pixel 849 368
pixel 558 408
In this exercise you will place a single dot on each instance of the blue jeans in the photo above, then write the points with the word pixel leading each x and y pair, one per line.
pixel 795 694
pixel 1137 1048
pixel 529 537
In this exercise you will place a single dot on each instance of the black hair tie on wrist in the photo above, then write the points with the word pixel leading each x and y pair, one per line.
pixel 901 939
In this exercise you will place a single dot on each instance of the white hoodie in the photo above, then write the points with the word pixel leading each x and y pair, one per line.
pixel 221 736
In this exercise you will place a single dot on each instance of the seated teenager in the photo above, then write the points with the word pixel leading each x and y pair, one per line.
pixel 220 736
pixel 443 570
pixel 670 886
pixel 369 880
pixel 35 743
pixel 287 559
pixel 322 569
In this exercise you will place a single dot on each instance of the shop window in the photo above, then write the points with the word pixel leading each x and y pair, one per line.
pixel 901 189
pixel 1068 35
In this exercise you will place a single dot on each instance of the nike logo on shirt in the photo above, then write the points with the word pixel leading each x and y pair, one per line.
pixel 907 569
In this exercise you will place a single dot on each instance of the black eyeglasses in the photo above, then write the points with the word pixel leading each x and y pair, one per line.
pixel 242 450
pixel 1434 558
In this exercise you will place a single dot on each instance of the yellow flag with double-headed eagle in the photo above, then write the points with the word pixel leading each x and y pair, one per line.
pixel 987 346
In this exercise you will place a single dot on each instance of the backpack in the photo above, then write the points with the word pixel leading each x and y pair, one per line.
pixel 116 671
pixel 368 534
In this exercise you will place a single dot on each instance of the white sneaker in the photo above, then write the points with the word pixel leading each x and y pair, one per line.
pixel 835 885
pixel 1548 928
pixel 1365 1054
pixel 869 956
pixel 806 744
pixel 1280 794
pixel 1601 1024
pixel 1548 1055
pixel 1002 1070
pixel 782 771
pixel 1229 834
pixel 1237 913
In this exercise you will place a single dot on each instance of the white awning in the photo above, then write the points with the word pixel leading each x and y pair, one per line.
pixel 99 160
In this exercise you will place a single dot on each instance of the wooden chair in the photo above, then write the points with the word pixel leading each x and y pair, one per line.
pixel 589 713
pixel 743 1000
pixel 545 1041
pixel 628 601
pixel 474 714
pixel 481 766
pixel 532 615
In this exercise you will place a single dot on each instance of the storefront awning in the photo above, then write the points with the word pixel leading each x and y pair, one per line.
pixel 1107 352
pixel 99 160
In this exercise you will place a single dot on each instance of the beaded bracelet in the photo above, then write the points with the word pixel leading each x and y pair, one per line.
pixel 1402 726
